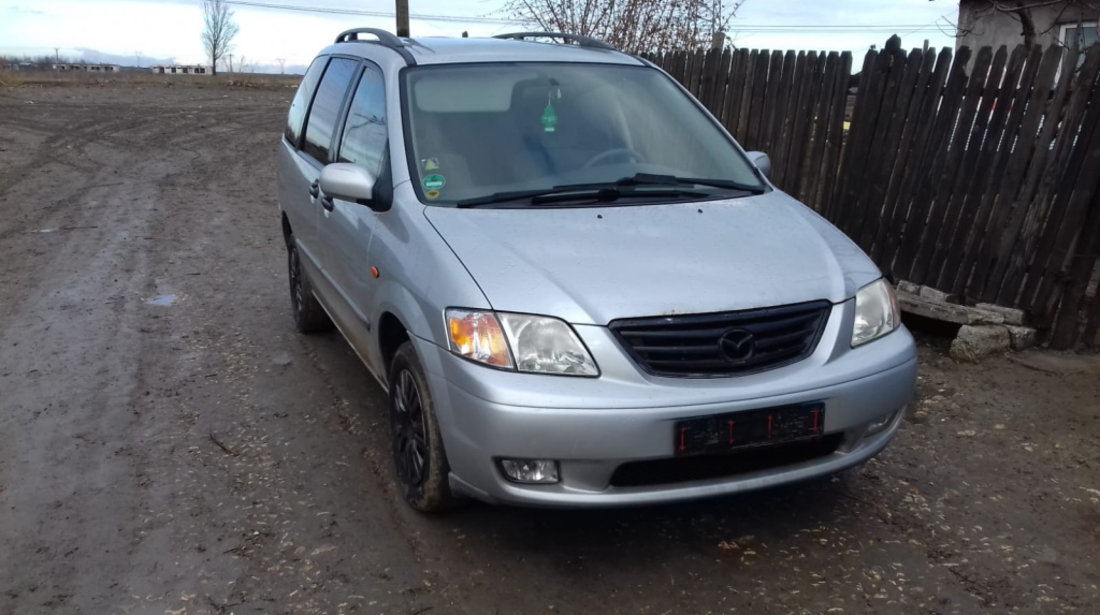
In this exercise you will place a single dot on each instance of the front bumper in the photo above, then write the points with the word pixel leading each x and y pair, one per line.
pixel 593 426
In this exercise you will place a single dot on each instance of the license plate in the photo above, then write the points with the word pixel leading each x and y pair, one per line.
pixel 725 432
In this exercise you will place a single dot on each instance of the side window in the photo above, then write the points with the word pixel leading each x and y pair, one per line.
pixel 326 106
pixel 364 138
pixel 298 108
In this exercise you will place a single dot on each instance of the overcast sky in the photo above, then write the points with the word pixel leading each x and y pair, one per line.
pixel 170 28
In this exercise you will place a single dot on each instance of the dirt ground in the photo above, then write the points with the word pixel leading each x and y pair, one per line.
pixel 168 443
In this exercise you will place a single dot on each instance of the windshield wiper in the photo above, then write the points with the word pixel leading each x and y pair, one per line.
pixel 578 192
pixel 652 179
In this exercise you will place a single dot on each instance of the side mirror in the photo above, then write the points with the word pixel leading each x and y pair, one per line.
pixel 762 162
pixel 348 182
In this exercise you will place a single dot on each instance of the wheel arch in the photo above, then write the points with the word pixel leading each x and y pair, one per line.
pixel 288 232
pixel 391 334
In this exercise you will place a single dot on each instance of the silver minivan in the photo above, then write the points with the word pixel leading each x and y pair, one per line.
pixel 574 285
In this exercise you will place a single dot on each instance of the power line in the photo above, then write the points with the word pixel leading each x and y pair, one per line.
pixel 388 14
pixel 734 26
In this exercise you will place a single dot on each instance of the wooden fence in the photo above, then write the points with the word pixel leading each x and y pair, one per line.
pixel 977 174
pixel 791 105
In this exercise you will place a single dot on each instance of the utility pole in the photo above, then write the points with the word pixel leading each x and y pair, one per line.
pixel 230 61
pixel 57 54
pixel 402 17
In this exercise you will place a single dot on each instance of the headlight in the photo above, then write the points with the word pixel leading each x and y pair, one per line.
pixel 876 312
pixel 547 345
pixel 536 344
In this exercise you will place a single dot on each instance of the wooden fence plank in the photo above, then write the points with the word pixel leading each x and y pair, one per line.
pixel 814 169
pixel 1012 104
pixel 863 141
pixel 755 135
pixel 768 110
pixel 723 84
pixel 834 145
pixel 1000 91
pixel 694 73
pixel 708 80
pixel 940 212
pixel 848 155
pixel 783 121
pixel 1088 336
pixel 932 162
pixel 1024 149
pixel 800 110
pixel 972 128
pixel 1020 243
pixel 1085 261
pixel 899 97
pixel 805 165
pixel 911 154
pixel 751 82
pixel 736 87
pixel 1069 207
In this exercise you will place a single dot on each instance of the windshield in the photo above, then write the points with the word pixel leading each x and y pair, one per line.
pixel 480 131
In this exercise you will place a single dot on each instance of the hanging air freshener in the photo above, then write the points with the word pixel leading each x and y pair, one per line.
pixel 549 116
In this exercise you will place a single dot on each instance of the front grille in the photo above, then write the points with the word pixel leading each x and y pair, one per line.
pixel 691 346
pixel 674 470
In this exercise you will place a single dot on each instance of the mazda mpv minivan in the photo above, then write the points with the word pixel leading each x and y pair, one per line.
pixel 574 285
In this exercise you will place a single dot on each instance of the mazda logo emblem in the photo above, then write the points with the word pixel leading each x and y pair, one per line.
pixel 736 345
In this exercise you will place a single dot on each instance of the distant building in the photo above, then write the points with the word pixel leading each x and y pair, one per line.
pixel 88 68
pixel 180 69
pixel 1064 22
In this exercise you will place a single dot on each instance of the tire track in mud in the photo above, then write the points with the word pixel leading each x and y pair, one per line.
pixel 272 524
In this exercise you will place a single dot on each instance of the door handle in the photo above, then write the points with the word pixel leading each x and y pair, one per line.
pixel 326 202
pixel 314 189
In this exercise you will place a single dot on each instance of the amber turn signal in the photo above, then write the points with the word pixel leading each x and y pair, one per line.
pixel 478 336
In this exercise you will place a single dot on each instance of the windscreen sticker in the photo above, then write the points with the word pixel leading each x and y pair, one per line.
pixel 432 194
pixel 434 182
pixel 430 164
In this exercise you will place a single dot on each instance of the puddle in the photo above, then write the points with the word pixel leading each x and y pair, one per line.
pixel 44 230
pixel 161 300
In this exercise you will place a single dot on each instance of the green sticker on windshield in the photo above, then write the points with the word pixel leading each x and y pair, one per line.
pixel 434 182
pixel 549 118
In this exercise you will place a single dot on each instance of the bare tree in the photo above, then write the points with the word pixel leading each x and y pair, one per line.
pixel 218 32
pixel 635 26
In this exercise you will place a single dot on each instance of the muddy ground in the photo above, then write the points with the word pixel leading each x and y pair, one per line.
pixel 168 443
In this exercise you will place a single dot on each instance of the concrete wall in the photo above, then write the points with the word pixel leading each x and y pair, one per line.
pixel 981 25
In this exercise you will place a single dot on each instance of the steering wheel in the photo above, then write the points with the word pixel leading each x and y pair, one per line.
pixel 611 153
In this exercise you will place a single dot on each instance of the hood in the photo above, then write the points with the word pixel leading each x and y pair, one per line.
pixel 595 265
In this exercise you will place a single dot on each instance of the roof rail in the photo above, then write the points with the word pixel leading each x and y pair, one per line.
pixel 386 39
pixel 583 41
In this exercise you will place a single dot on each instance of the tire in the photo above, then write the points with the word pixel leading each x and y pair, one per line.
pixel 418 454
pixel 309 316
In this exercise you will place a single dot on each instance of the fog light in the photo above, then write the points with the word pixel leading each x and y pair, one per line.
pixel 532 471
pixel 881 423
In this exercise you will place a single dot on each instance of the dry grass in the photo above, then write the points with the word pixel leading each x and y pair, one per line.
pixel 138 78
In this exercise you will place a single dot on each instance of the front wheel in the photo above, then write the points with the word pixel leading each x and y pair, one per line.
pixel 309 316
pixel 418 454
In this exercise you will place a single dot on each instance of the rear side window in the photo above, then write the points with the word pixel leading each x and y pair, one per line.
pixel 298 108
pixel 326 107
pixel 364 139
